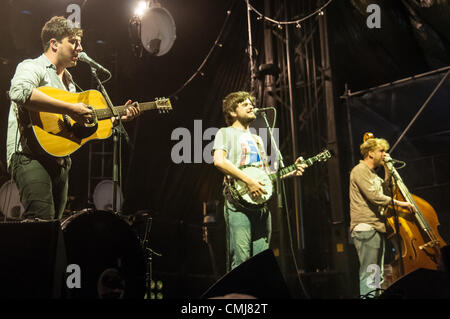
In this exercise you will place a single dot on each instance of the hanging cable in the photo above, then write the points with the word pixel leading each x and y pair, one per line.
pixel 199 69
pixel 318 11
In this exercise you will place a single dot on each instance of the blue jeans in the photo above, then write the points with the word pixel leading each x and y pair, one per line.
pixel 248 233
pixel 370 246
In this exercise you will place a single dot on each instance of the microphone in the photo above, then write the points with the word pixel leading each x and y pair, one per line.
pixel 389 159
pixel 257 111
pixel 85 58
pixel 390 162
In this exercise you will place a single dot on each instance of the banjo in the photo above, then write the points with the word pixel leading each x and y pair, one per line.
pixel 236 191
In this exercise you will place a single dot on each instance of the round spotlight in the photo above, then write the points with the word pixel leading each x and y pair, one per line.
pixel 103 195
pixel 158 32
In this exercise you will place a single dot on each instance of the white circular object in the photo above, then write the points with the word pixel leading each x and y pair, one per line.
pixel 103 196
pixel 10 204
pixel 158 32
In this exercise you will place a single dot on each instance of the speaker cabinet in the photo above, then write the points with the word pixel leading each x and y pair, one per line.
pixel 420 284
pixel 32 260
pixel 258 277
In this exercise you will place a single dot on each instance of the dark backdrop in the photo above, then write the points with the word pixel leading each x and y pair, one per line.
pixel 413 39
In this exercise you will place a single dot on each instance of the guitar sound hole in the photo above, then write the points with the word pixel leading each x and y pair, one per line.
pixel 81 131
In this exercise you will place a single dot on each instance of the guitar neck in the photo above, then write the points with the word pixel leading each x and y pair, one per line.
pixel 288 169
pixel 106 113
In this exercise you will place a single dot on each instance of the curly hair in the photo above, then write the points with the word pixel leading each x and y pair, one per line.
pixel 231 102
pixel 371 144
pixel 58 28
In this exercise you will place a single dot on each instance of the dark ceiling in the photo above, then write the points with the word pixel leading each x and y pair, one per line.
pixel 412 39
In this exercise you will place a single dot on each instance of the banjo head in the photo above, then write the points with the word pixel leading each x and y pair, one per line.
pixel 259 175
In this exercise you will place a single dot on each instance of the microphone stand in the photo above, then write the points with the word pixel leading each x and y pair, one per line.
pixel 281 190
pixel 397 239
pixel 118 132
pixel 280 160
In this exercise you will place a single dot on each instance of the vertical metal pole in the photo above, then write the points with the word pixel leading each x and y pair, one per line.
pixel 89 188
pixel 333 163
pixel 116 181
pixel 349 125
pixel 297 186
pixel 269 98
pixel 338 227
pixel 250 50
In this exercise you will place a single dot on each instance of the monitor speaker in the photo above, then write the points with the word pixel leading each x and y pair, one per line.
pixel 259 277
pixel 420 284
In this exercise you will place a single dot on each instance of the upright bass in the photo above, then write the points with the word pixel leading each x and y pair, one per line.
pixel 416 232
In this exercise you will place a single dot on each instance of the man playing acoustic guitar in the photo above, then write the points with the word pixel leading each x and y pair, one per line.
pixel 248 231
pixel 42 179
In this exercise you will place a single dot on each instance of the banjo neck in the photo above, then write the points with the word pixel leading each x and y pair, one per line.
pixel 309 161
pixel 238 192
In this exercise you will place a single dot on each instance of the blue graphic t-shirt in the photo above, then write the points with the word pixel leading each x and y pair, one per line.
pixel 242 147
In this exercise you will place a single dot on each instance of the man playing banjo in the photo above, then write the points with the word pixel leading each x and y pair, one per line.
pixel 248 230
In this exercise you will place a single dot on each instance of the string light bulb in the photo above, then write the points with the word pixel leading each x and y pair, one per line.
pixel 318 11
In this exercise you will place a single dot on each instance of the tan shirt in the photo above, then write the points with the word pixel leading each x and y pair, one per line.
pixel 367 197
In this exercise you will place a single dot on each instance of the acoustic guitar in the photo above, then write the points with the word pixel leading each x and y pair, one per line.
pixel 59 135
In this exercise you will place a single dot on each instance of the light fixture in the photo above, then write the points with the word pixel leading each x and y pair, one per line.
pixel 158 286
pixel 152 28
pixel 140 9
pixel 103 195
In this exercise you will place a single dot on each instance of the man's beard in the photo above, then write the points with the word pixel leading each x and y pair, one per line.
pixel 248 120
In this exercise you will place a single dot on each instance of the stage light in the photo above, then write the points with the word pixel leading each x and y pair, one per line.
pixel 141 7
pixel 152 28
pixel 156 289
